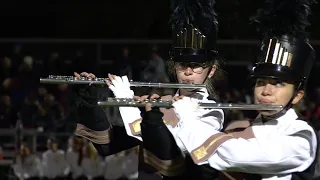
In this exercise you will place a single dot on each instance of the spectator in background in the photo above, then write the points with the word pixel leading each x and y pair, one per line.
pixel 92 164
pixel 28 111
pixel 41 93
pixel 130 164
pixel 50 115
pixel 114 167
pixel 55 166
pixel 53 64
pixel 27 166
pixel 22 83
pixel 74 157
pixel 5 69
pixel 155 71
pixel 27 74
pixel 8 114
pixel 63 96
pixel 125 65
pixel 17 54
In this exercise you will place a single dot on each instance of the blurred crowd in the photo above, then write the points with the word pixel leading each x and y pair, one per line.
pixel 80 161
pixel 47 108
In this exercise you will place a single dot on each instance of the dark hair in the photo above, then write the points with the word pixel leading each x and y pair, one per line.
pixel 219 75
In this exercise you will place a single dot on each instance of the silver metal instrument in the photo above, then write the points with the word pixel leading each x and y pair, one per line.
pixel 168 104
pixel 102 81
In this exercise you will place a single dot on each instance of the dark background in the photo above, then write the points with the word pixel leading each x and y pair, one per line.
pixel 119 19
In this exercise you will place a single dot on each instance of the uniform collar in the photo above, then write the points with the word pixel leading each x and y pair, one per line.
pixel 289 115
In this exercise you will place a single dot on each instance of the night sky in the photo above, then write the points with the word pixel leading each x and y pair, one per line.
pixel 119 19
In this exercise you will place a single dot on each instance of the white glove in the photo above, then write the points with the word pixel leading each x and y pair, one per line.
pixel 121 87
pixel 186 109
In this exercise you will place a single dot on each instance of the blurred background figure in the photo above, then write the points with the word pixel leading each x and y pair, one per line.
pixel 6 70
pixel 130 164
pixel 54 163
pixel 27 165
pixel 155 70
pixel 74 157
pixel 114 167
pixel 125 65
pixel 8 113
pixel 92 164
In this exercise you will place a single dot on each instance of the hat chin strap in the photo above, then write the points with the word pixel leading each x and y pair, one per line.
pixel 285 109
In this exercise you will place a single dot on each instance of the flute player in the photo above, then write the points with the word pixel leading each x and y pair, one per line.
pixel 195 63
pixel 277 144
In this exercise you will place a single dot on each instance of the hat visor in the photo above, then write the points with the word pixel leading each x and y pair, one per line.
pixel 188 55
pixel 274 71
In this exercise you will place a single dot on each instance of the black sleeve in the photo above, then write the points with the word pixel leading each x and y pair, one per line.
pixel 89 114
pixel 164 155
pixel 93 123
pixel 119 141
pixel 160 149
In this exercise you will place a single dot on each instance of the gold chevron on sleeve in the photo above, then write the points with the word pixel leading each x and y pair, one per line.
pixel 209 147
pixel 203 152
pixel 136 128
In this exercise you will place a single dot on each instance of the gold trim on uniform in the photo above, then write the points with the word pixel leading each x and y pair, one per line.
pixel 98 137
pixel 136 128
pixel 238 124
pixel 172 167
pixel 209 147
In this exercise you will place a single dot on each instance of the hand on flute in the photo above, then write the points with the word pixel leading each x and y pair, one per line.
pixel 120 86
pixel 153 115
pixel 86 75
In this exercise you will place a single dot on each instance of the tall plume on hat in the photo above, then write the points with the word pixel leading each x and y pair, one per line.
pixel 279 17
pixel 194 24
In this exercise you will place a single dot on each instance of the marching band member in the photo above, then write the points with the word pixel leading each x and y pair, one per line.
pixel 27 165
pixel 74 157
pixel 277 144
pixel 54 163
pixel 92 164
pixel 193 59
pixel 194 63
pixel 93 123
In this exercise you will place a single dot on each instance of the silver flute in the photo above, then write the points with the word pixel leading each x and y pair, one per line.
pixel 168 104
pixel 52 79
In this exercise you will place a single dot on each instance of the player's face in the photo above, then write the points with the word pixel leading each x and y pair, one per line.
pixel 193 73
pixel 275 92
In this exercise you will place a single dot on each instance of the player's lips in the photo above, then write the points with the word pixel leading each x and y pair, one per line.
pixel 188 81
pixel 264 101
